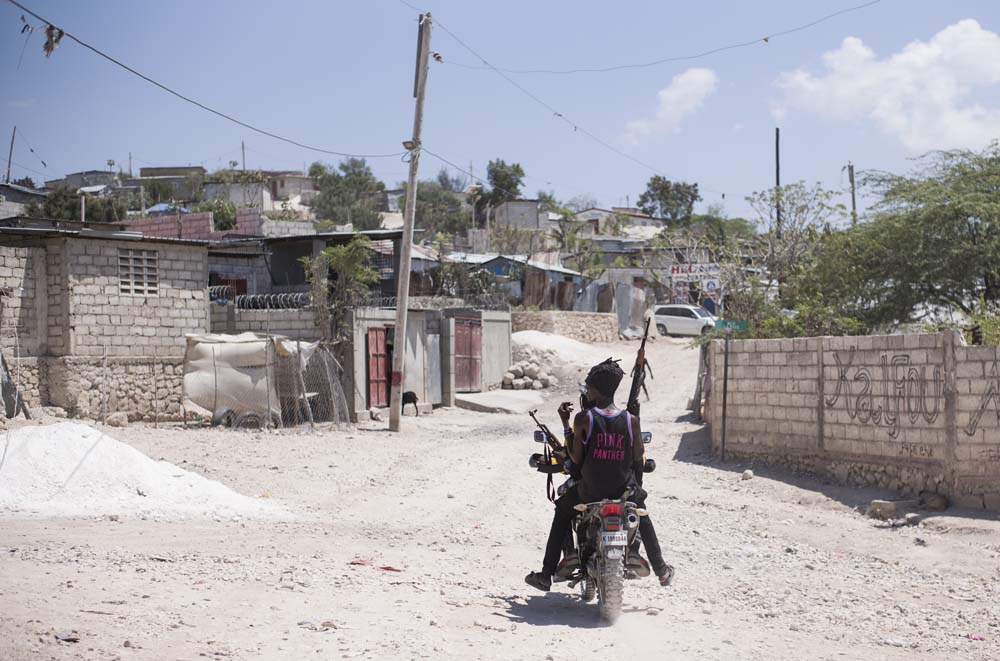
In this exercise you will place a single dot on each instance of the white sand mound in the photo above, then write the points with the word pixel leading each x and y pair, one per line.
pixel 567 349
pixel 69 469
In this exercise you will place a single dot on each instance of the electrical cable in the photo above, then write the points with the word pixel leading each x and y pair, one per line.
pixel 25 167
pixel 677 58
pixel 24 139
pixel 197 103
pixel 556 113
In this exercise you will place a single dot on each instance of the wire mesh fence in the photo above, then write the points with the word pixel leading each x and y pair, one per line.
pixel 262 381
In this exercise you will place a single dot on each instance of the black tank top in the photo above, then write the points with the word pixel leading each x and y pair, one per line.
pixel 607 455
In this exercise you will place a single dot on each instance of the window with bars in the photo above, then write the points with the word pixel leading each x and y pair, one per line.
pixel 138 273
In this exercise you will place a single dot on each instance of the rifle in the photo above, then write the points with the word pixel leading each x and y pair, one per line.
pixel 639 374
pixel 550 438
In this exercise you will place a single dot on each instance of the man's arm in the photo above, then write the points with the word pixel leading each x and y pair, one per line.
pixel 580 430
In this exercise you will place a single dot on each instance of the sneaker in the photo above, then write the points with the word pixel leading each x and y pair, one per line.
pixel 540 580
pixel 666 576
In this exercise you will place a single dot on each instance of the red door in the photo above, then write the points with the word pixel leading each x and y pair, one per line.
pixel 378 369
pixel 468 354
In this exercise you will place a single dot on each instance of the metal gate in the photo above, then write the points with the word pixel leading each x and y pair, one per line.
pixel 468 354
pixel 378 369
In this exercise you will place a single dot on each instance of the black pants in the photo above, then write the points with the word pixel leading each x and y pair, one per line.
pixel 562 522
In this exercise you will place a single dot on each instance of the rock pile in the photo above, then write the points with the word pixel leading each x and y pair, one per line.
pixel 531 372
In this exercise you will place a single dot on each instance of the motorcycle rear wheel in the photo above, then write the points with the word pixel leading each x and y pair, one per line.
pixel 611 596
pixel 588 590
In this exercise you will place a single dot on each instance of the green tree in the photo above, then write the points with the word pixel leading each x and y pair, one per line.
pixel 439 210
pixel 505 181
pixel 349 193
pixel 671 200
pixel 156 192
pixel 63 204
pixel 449 183
pixel 339 277
pixel 931 243
pixel 223 212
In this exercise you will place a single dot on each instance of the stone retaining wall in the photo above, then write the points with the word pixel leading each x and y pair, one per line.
pixel 583 326
pixel 906 412
pixel 146 388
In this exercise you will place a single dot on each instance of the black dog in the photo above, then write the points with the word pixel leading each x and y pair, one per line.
pixel 410 397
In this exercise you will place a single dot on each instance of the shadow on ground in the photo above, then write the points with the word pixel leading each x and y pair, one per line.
pixel 554 609
pixel 695 448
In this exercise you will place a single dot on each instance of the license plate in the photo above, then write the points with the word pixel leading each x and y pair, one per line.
pixel 614 538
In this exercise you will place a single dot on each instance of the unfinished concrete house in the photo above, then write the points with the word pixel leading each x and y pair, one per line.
pixel 93 318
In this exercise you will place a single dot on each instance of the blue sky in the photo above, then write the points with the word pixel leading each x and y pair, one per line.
pixel 912 75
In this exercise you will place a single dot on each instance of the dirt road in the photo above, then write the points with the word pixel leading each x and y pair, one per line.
pixel 774 567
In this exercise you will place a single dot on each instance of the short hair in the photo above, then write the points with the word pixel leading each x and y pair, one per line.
pixel 605 377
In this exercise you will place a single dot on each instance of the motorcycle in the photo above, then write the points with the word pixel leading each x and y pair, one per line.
pixel 605 532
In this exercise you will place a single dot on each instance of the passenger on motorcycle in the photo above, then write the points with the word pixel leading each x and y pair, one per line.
pixel 606 446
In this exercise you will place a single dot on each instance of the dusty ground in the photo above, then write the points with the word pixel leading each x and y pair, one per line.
pixel 770 568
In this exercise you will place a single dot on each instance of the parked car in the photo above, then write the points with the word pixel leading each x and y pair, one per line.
pixel 679 319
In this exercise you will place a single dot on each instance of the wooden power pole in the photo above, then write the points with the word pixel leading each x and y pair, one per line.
pixel 777 181
pixel 403 271
pixel 10 153
pixel 854 203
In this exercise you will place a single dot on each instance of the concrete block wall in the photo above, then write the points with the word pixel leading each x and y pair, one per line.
pixel 22 321
pixel 906 412
pixel 977 418
pixel 99 316
pixel 297 324
pixel 198 226
pixel 583 326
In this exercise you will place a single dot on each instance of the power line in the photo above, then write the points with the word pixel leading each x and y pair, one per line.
pixel 577 128
pixel 25 167
pixel 678 58
pixel 197 103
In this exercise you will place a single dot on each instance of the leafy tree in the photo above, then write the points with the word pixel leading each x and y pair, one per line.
pixel 349 193
pixel 449 183
pixel 671 200
pixel 505 181
pixel 63 204
pixel 157 191
pixel 223 212
pixel 24 182
pixel 439 210
pixel 547 201
pixel 805 211
pixel 580 251
pixel 340 276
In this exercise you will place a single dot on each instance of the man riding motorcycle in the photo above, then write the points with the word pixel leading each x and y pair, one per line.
pixel 604 448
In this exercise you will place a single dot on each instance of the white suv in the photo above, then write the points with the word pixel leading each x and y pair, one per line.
pixel 679 319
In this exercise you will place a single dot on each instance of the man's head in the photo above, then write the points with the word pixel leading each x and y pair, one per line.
pixel 602 381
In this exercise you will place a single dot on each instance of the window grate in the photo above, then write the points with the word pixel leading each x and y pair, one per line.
pixel 138 272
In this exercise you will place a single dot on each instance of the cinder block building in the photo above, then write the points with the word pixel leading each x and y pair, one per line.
pixel 92 316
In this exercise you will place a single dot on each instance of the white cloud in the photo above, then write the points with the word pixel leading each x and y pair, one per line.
pixel 920 95
pixel 685 94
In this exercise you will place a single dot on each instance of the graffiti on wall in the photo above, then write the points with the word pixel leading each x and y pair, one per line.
pixel 991 396
pixel 880 395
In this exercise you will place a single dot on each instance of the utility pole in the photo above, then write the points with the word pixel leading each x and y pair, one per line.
pixel 83 208
pixel 10 154
pixel 403 273
pixel 854 203
pixel 243 148
pixel 777 181
pixel 130 165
